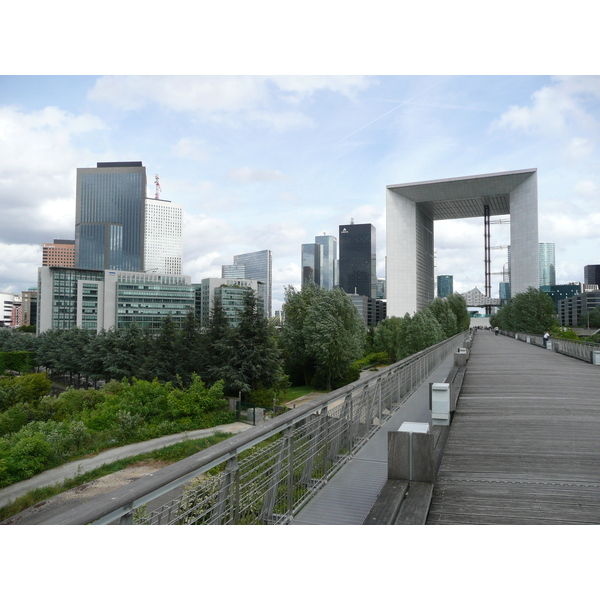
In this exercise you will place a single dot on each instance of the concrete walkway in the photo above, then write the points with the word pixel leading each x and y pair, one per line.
pixel 59 474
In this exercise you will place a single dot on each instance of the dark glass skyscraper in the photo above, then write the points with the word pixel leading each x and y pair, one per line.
pixel 312 264
pixel 358 272
pixel 445 285
pixel 110 217
pixel 591 274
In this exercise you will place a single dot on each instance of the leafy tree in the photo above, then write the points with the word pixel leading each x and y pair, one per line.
pixel 590 318
pixel 215 341
pixel 459 307
pixel 335 334
pixel 322 333
pixel 388 337
pixel 529 312
pixel 445 316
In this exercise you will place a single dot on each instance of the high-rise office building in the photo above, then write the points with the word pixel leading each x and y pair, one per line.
pixel 110 217
pixel 358 272
pixel 259 266
pixel 445 285
pixel 591 274
pixel 163 244
pixel 312 264
pixel 61 253
pixel 547 264
pixel 233 272
pixel 329 262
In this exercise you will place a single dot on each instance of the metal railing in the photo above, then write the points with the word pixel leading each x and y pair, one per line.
pixel 573 348
pixel 265 475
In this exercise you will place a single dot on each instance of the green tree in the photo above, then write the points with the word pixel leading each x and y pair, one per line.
pixel 254 360
pixel 528 312
pixel 445 316
pixel 459 307
pixel 335 334
pixel 388 337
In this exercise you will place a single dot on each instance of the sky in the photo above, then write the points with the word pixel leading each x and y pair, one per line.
pixel 269 162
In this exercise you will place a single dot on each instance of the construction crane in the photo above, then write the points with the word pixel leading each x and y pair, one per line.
pixel 158 188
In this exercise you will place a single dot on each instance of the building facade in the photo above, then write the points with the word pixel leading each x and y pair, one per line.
pixel 61 253
pixel 560 292
pixel 358 260
pixel 572 310
pixel 110 217
pixel 547 264
pixel 329 261
pixel 412 209
pixel 163 243
pixel 371 310
pixel 312 264
pixel 259 266
pixel 29 301
pixel 445 285
pixel 591 274
pixel 97 300
pixel 231 293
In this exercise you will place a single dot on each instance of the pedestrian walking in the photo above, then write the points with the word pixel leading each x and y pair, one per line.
pixel 546 338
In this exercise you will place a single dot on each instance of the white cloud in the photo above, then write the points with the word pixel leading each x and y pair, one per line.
pixel 19 264
pixel 554 108
pixel 248 175
pixel 588 189
pixel 220 97
pixel 39 154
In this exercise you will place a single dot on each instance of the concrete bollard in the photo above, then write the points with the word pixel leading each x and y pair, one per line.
pixel 411 453
pixel 440 403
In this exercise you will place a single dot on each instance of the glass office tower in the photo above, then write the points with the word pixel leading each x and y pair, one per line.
pixel 445 285
pixel 312 264
pixel 358 274
pixel 329 263
pixel 259 266
pixel 110 217
pixel 547 264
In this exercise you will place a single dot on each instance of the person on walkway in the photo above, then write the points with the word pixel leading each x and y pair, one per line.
pixel 496 330
pixel 546 338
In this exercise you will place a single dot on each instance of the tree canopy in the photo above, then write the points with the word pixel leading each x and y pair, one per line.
pixel 529 312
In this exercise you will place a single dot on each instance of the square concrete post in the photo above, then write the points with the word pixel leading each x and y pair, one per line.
pixel 410 453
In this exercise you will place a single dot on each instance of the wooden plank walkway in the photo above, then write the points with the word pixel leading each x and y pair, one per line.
pixel 524 445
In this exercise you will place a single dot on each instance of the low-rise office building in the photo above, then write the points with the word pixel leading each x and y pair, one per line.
pixel 99 300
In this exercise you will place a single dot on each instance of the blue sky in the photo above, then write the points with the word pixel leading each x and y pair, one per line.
pixel 269 162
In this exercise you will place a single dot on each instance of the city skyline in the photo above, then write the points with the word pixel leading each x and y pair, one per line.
pixel 271 162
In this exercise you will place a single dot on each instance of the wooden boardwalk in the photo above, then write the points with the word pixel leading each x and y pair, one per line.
pixel 524 445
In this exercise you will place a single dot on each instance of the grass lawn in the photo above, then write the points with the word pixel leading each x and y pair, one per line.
pixel 294 393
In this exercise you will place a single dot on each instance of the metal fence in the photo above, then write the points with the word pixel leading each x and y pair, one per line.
pixel 265 475
pixel 574 348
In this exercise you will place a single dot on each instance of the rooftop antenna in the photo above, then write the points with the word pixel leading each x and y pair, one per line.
pixel 351 220
pixel 158 188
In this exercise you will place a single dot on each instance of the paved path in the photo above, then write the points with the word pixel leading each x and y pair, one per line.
pixel 66 471
pixel 524 445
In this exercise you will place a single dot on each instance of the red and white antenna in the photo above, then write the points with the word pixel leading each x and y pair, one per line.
pixel 158 188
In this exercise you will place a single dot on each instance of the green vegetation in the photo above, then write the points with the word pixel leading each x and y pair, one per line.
pixel 40 432
pixel 322 336
pixel 529 312
pixel 167 455
pixel 400 337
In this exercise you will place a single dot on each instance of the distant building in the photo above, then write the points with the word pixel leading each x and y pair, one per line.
pixel 61 253
pixel 233 272
pixel 329 261
pixel 97 300
pixel 592 274
pixel 560 292
pixel 231 294
pixel 372 311
pixel 572 310
pixel 109 217
pixel 475 298
pixel 7 302
pixel 312 263
pixel 445 285
pixel 29 301
pixel 504 290
pixel 163 238
pixel 259 266
pixel 547 264
pixel 381 289
pixel 358 273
